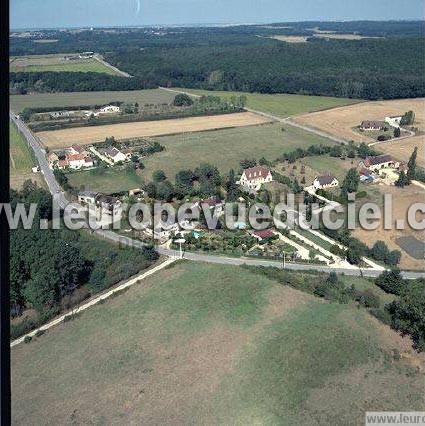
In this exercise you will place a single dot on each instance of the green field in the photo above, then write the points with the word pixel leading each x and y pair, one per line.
pixel 222 148
pixel 110 181
pixel 282 105
pixel 21 161
pixel 212 344
pixel 20 155
pixel 225 148
pixel 70 99
pixel 323 164
pixel 56 63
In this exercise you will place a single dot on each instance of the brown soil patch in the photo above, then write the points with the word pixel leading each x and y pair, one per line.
pixel 402 199
pixel 90 135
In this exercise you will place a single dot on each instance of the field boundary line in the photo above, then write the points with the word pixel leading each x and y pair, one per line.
pixel 107 64
pixel 95 300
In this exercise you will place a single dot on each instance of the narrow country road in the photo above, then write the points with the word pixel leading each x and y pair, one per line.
pixel 100 59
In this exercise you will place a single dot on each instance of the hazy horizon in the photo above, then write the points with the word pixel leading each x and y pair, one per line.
pixel 57 14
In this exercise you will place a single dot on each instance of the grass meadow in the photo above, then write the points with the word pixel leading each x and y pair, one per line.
pixel 56 63
pixel 20 160
pixel 282 104
pixel 212 344
pixel 225 148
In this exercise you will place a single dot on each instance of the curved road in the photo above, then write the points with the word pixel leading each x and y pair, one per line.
pixel 112 236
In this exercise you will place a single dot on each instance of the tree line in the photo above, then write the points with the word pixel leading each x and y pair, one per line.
pixel 48 266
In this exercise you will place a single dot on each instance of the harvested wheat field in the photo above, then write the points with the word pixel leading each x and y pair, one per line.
pixel 402 150
pixel 340 121
pixel 90 135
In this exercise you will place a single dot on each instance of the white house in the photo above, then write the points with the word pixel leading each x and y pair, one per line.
pixel 78 161
pixel 115 155
pixel 109 109
pixel 87 197
pixel 325 181
pixel 104 208
pixel 374 164
pixel 254 177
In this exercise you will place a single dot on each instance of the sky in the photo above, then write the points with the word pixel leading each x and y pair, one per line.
pixel 95 13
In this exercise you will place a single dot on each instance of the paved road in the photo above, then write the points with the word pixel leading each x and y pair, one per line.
pixel 112 236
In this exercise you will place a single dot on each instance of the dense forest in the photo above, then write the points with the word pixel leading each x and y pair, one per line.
pixel 48 267
pixel 370 68
pixel 242 58
pixel 74 82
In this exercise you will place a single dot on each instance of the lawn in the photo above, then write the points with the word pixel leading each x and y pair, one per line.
pixel 211 344
pixel 225 148
pixel 38 100
pixel 324 164
pixel 110 181
pixel 56 63
pixel 282 105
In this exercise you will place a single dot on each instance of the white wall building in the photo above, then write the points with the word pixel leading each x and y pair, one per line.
pixel 254 177
pixel 325 181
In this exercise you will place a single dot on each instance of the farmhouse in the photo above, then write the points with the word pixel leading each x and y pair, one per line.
pixel 263 234
pixel 77 161
pixel 109 109
pixel 62 164
pixel 77 149
pixel 106 208
pixel 115 155
pixel 254 177
pixel 379 162
pixel 372 125
pixel 60 114
pixel 325 181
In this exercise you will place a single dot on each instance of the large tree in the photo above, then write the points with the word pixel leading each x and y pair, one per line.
pixel 412 165
pixel 350 182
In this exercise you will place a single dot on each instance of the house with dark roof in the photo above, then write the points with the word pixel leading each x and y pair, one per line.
pixel 373 125
pixel 254 177
pixel 376 163
pixel 115 155
pixel 325 181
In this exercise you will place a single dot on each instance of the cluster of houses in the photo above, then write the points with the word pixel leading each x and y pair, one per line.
pixel 76 157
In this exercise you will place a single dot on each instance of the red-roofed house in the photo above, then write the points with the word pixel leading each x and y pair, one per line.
pixel 63 164
pixel 254 177
pixel 263 234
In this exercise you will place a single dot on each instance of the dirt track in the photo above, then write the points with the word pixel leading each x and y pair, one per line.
pixel 89 135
